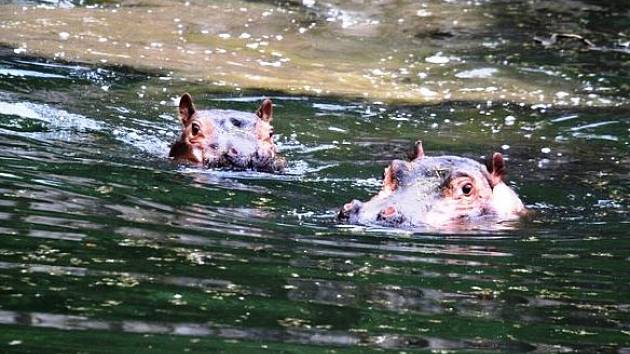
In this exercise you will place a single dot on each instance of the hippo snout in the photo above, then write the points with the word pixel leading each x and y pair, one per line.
pixel 389 215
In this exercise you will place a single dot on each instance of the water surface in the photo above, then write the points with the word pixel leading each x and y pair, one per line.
pixel 107 246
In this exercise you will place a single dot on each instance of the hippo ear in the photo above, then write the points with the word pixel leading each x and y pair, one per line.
pixel 186 108
pixel 417 152
pixel 265 111
pixel 389 180
pixel 496 168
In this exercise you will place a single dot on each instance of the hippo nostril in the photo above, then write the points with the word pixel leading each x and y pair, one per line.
pixel 349 209
pixel 389 215
pixel 389 212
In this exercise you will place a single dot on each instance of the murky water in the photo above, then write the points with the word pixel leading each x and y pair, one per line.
pixel 106 246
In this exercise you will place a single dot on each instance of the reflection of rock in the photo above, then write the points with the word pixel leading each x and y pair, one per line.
pixel 301 336
pixel 425 301
pixel 416 300
pixel 323 292
pixel 297 336
pixel 398 341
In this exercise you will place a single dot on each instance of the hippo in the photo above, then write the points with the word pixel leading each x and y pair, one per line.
pixel 441 192
pixel 231 139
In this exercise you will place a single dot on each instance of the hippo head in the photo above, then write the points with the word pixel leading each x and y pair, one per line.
pixel 440 192
pixel 227 138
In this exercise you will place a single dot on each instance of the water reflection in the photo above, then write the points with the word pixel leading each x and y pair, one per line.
pixel 100 233
pixel 293 335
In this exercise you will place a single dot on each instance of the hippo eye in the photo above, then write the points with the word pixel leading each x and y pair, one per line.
pixel 467 189
pixel 195 129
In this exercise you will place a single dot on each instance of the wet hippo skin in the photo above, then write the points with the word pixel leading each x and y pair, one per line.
pixel 227 138
pixel 439 192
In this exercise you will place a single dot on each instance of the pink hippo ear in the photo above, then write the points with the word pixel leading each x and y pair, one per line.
pixel 186 108
pixel 496 168
pixel 265 111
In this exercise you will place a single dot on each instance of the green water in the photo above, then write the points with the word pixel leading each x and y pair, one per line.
pixel 107 246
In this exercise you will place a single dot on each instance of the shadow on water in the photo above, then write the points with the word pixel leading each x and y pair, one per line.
pixel 106 245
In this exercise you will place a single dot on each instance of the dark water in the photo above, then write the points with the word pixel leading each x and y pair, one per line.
pixel 106 246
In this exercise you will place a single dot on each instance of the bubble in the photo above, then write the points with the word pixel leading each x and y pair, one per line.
pixel 481 73
pixel 438 58
pixel 427 92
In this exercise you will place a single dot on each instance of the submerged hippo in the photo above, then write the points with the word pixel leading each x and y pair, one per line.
pixel 227 138
pixel 440 191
